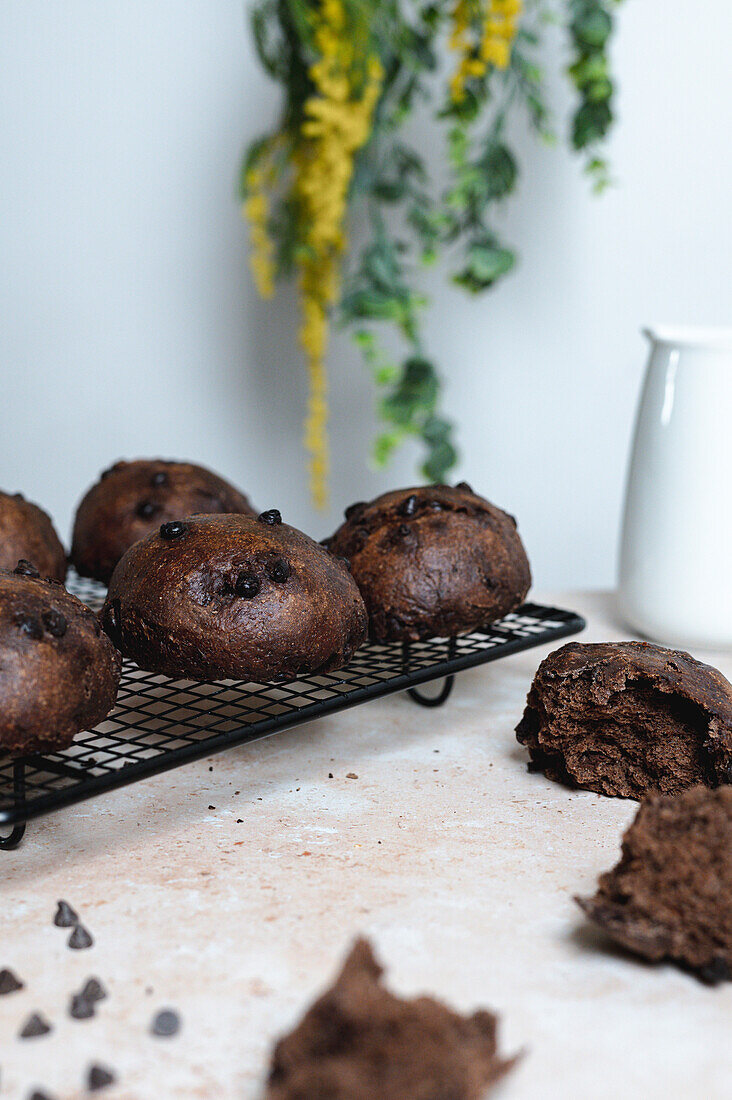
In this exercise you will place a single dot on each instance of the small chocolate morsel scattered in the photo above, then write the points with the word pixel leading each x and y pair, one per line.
pixel 38 1095
pixel 145 509
pixel 279 571
pixel 160 478
pixel 352 509
pixel 464 486
pixel 65 917
pixel 28 625
pixel 165 1023
pixel 94 990
pixel 9 982
pixel 80 1008
pixel 26 568
pixel 80 938
pixel 173 530
pixel 717 971
pixel 98 1078
pixel 330 775
pixel 272 517
pixel 246 585
pixel 408 507
pixel 211 807
pixel 34 1026
pixel 54 622
pixel 351 775
pixel 402 530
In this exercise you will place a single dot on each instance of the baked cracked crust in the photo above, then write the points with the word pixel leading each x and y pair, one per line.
pixel 59 672
pixel 628 718
pixel 219 597
pixel 433 561
pixel 670 897
pixel 132 499
pixel 26 531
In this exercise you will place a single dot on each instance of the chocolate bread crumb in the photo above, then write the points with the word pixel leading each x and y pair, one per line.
pixel 670 897
pixel 361 1042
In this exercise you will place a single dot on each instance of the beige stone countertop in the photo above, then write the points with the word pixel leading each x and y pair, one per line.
pixel 231 888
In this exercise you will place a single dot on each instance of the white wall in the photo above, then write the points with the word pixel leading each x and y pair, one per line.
pixel 129 326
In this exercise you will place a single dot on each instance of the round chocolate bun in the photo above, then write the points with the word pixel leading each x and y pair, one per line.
pixel 433 562
pixel 26 531
pixel 219 597
pixel 59 672
pixel 132 499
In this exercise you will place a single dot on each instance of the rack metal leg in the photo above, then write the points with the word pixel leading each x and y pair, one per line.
pixel 447 686
pixel 7 843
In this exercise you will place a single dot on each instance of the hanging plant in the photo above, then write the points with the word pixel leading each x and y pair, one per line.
pixel 352 72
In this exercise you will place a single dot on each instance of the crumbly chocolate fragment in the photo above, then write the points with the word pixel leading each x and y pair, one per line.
pixel 628 718
pixel 34 1027
pixel 432 562
pixel 165 1023
pixel 65 916
pixel 360 1042
pixel 80 939
pixel 9 982
pixel 58 672
pixel 28 539
pixel 133 499
pixel 99 1077
pixel 207 607
pixel 80 1007
pixel 670 897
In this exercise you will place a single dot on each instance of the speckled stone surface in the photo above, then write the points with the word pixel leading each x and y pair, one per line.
pixel 457 863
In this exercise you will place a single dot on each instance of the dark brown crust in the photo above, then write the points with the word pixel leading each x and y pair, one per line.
pixel 108 519
pixel 670 897
pixel 26 531
pixel 433 562
pixel 59 672
pixel 173 607
pixel 360 1042
pixel 629 718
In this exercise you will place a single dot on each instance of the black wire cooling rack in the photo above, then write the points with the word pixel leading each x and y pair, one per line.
pixel 158 724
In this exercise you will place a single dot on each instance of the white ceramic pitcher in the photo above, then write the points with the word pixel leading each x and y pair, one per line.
pixel 676 549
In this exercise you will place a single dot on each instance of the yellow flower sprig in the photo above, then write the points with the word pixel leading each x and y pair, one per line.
pixel 482 33
pixel 336 123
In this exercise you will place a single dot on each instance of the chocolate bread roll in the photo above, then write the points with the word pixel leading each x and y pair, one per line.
pixel 670 897
pixel 26 531
pixel 132 499
pixel 215 597
pixel 433 561
pixel 628 718
pixel 59 672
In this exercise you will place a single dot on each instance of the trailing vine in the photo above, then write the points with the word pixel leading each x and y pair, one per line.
pixel 352 73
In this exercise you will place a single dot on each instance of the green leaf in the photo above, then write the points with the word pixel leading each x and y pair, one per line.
pixel 592 27
pixel 439 462
pixel 501 170
pixel 591 123
pixel 486 262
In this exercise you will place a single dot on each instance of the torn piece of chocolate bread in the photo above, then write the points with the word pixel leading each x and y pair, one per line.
pixel 360 1042
pixel 670 897
pixel 628 718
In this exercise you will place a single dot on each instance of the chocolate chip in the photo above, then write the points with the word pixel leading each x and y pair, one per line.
pixel 173 530
pixel 165 1023
pixel 38 1095
pixel 26 568
pixel 80 938
pixel 247 586
pixel 112 620
pixel 408 507
pixel 81 1008
pixel 158 479
pixel 402 530
pixel 145 509
pixel 65 917
pixel 94 990
pixel 354 509
pixel 272 517
pixel 98 1078
pixel 9 983
pixel 27 624
pixel 279 571
pixel 718 970
pixel 18 496
pixel 55 623
pixel 464 486
pixel 35 1026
